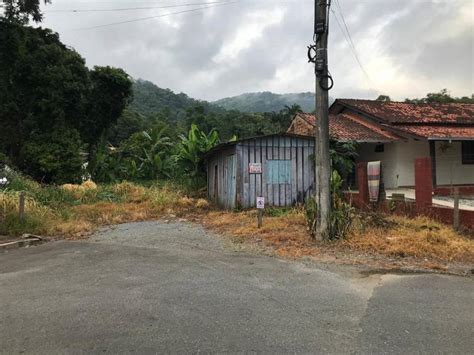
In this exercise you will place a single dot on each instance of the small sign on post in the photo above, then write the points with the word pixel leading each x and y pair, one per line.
pixel 260 208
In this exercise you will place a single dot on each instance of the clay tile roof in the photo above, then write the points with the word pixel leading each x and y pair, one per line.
pixel 433 132
pixel 349 127
pixel 407 113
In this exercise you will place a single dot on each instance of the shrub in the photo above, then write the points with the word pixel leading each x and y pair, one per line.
pixel 36 217
pixel 342 213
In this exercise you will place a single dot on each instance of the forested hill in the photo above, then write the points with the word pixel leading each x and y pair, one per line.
pixel 149 99
pixel 267 102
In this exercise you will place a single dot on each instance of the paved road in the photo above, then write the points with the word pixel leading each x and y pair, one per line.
pixel 154 288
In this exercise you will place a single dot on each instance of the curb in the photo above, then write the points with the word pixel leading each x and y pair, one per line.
pixel 26 241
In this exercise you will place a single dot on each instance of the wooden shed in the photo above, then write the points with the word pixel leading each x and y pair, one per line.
pixel 279 167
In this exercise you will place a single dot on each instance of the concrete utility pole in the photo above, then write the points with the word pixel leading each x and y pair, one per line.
pixel 323 84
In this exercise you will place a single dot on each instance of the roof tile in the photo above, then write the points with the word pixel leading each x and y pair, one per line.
pixel 402 112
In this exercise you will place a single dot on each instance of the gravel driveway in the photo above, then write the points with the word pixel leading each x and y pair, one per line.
pixel 154 287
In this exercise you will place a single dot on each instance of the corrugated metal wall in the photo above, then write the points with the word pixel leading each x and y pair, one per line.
pixel 281 183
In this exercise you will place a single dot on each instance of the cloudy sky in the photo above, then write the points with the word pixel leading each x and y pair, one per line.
pixel 406 47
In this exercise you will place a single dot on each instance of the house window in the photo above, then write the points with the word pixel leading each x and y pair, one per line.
pixel 278 171
pixel 467 152
pixel 379 148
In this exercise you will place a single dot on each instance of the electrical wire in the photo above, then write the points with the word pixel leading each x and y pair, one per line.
pixel 151 17
pixel 350 42
pixel 134 8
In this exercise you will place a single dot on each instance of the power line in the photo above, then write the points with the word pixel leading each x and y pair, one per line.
pixel 350 42
pixel 135 8
pixel 151 17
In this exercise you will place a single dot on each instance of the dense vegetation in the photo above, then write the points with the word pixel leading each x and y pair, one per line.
pixel 267 102
pixel 442 97
pixel 54 111
pixel 155 104
pixel 62 122
pixel 150 100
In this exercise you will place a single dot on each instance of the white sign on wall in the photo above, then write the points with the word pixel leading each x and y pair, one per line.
pixel 261 202
pixel 255 168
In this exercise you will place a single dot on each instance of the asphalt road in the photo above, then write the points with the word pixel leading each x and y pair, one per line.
pixel 172 288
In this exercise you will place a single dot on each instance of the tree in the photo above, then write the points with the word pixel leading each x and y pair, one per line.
pixel 54 157
pixel 441 97
pixel 127 124
pixel 111 89
pixel 43 85
pixel 20 11
pixel 291 110
pixel 383 98
pixel 48 92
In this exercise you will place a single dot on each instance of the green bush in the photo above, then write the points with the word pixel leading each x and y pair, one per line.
pixel 342 213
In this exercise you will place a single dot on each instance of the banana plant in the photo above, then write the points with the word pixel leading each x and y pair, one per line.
pixel 191 151
pixel 154 153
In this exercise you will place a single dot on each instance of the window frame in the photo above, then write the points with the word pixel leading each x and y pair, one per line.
pixel 379 148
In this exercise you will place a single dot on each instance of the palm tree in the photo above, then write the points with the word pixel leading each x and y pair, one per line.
pixel 292 110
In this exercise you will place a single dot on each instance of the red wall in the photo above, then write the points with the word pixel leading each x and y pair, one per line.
pixel 423 192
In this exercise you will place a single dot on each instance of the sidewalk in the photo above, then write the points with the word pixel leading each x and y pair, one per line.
pixel 444 201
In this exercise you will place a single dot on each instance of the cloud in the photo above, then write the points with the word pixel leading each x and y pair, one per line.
pixel 407 47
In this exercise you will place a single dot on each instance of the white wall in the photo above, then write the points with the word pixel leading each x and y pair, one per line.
pixel 398 159
pixel 449 167
pixel 388 158
pixel 407 152
pixel 398 162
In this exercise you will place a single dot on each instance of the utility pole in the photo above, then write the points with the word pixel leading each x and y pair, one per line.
pixel 318 54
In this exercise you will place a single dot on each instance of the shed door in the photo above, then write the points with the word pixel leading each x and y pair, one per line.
pixel 229 181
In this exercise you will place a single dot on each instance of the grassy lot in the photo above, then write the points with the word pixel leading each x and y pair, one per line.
pixel 390 236
pixel 76 210
pixel 73 211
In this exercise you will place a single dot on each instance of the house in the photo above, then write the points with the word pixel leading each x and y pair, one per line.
pixel 396 133
pixel 278 167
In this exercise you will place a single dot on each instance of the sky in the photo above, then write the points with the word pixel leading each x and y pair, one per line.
pixel 209 50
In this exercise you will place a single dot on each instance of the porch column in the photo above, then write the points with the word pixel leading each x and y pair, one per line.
pixel 423 183
pixel 362 183
pixel 433 162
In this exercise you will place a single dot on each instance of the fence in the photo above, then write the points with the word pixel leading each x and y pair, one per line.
pixel 423 197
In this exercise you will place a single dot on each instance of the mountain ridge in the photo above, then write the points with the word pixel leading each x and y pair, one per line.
pixel 266 101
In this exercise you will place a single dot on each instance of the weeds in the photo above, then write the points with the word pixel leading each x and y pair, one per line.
pixel 74 210
pixel 395 237
pixel 418 237
pixel 342 213
pixel 77 210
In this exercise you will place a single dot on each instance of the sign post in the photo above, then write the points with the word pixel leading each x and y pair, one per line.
pixel 260 208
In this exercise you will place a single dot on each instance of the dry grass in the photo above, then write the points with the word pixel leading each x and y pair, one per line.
pixel 73 211
pixel 286 233
pixel 418 237
pixel 400 237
